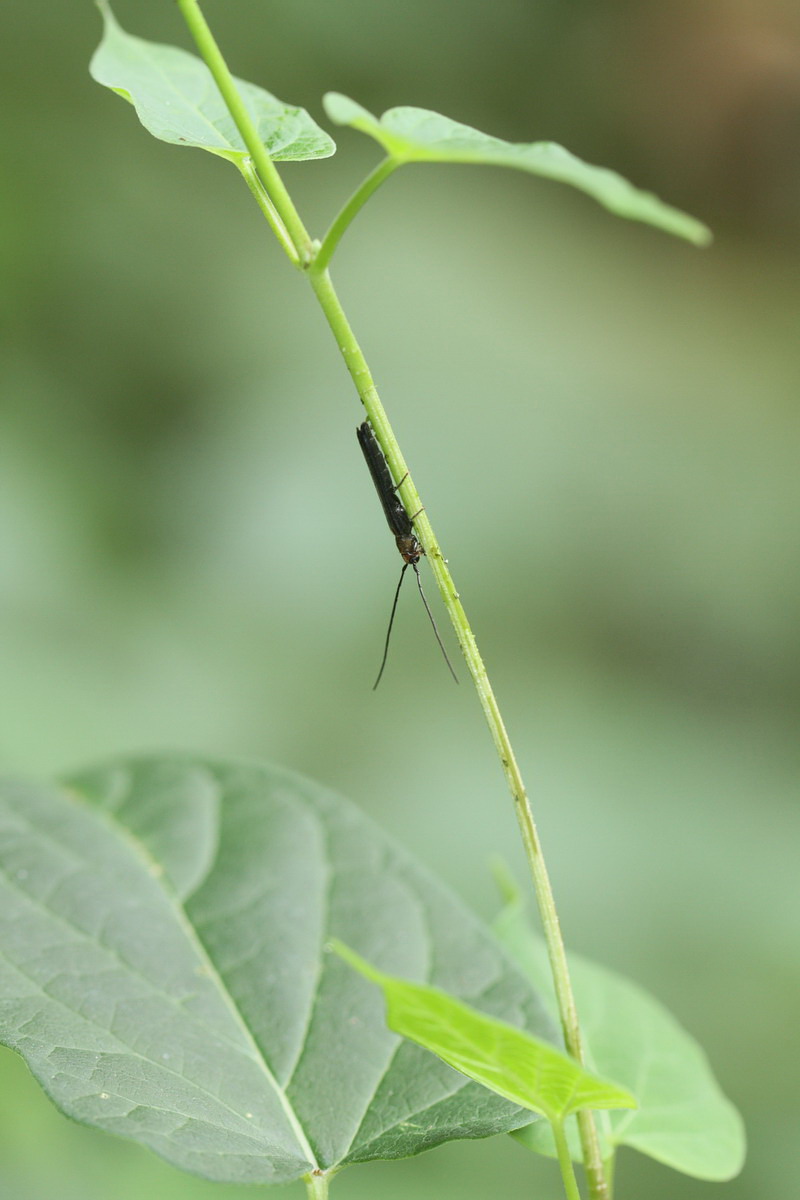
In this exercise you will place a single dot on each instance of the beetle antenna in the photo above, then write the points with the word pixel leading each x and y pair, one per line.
pixel 391 622
pixel 433 623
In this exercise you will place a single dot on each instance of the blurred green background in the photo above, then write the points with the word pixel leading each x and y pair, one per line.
pixel 603 423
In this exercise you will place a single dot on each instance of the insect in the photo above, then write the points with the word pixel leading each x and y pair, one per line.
pixel 402 526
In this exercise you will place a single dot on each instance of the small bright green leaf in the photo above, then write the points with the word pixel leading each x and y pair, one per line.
pixel 418 135
pixel 162 925
pixel 683 1119
pixel 177 100
pixel 507 1060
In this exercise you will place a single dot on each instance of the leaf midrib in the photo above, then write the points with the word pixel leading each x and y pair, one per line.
pixel 128 1050
pixel 212 973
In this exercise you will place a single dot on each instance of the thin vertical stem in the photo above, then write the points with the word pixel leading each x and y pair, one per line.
pixel 365 385
pixel 212 56
pixel 362 378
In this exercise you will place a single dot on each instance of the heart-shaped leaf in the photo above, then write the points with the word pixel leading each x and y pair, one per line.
pixel 162 925
pixel 507 1060
pixel 418 135
pixel 683 1119
pixel 177 100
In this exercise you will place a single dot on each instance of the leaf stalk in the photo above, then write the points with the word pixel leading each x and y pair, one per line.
pixel 565 1161
pixel 357 201
pixel 261 197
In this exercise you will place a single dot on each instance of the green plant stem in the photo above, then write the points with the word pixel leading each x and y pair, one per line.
pixel 357 200
pixel 316 1186
pixel 565 1161
pixel 362 378
pixel 280 198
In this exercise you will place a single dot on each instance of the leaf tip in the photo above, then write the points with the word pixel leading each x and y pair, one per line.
pixel 682 225
pixel 342 110
pixel 334 104
pixel 702 236
pixel 626 1099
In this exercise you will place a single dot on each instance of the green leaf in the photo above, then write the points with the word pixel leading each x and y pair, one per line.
pixel 683 1119
pixel 177 100
pixel 418 135
pixel 505 1059
pixel 162 925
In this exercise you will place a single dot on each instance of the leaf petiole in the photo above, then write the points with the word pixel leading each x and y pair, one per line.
pixel 351 208
pixel 565 1161
pixel 259 192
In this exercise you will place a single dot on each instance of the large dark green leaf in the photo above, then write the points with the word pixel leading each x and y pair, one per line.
pixel 177 100
pixel 162 925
